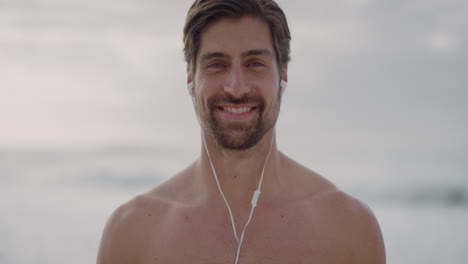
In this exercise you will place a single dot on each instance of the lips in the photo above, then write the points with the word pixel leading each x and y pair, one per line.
pixel 234 112
pixel 238 110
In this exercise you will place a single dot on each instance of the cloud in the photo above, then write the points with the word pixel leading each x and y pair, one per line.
pixel 443 42
pixel 363 69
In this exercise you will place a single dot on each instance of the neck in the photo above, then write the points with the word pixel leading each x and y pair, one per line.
pixel 238 172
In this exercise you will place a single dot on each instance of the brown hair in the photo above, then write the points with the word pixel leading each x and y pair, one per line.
pixel 205 12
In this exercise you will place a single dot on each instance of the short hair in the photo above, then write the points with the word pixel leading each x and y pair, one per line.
pixel 205 12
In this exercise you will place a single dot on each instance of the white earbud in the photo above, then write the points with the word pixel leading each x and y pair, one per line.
pixel 190 88
pixel 283 85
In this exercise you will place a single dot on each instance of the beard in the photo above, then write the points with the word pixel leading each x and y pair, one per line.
pixel 239 135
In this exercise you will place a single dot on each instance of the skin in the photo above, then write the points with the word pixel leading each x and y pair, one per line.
pixel 300 218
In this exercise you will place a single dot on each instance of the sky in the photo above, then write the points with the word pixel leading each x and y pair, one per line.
pixel 377 76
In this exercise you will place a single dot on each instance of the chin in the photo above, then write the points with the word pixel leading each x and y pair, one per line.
pixel 238 140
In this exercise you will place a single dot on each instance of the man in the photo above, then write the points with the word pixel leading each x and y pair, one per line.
pixel 237 52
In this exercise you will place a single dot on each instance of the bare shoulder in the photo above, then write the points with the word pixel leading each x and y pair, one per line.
pixel 127 228
pixel 134 224
pixel 354 225
pixel 340 218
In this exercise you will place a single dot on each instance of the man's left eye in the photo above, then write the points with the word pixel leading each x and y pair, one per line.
pixel 216 65
pixel 255 64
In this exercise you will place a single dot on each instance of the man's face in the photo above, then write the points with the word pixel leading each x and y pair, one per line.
pixel 236 82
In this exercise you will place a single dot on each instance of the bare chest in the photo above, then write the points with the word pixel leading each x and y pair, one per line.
pixel 273 236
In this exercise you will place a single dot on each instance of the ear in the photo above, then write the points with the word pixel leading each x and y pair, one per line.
pixel 284 72
pixel 189 75
pixel 189 82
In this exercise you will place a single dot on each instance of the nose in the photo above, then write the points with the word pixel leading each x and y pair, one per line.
pixel 236 84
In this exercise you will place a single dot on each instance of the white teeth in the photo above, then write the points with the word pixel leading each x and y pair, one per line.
pixel 237 110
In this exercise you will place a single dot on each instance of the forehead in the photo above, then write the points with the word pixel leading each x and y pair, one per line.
pixel 236 36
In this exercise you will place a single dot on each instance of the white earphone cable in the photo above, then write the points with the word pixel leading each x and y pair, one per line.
pixel 220 190
pixel 255 197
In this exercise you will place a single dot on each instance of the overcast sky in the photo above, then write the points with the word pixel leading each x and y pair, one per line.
pixel 369 74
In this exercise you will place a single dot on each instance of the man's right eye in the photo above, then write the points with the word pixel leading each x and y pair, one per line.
pixel 216 65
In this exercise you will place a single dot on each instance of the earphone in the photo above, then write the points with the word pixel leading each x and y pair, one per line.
pixel 190 88
pixel 283 85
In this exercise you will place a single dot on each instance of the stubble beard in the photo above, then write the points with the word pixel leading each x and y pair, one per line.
pixel 239 135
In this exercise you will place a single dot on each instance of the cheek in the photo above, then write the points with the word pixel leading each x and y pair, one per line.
pixel 207 87
pixel 204 89
pixel 270 90
pixel 268 84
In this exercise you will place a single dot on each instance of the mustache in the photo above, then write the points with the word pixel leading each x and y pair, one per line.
pixel 228 98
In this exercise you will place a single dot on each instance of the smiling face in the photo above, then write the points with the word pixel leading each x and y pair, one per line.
pixel 236 82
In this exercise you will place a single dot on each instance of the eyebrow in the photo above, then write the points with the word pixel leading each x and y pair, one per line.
pixel 264 52
pixel 210 55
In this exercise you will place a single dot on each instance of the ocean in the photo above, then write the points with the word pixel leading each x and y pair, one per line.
pixel 55 204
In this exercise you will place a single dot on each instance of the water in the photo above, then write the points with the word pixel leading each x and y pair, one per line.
pixel 55 204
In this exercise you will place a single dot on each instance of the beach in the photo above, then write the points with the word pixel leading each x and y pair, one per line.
pixel 55 205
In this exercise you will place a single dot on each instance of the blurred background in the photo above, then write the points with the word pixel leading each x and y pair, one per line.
pixel 94 110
